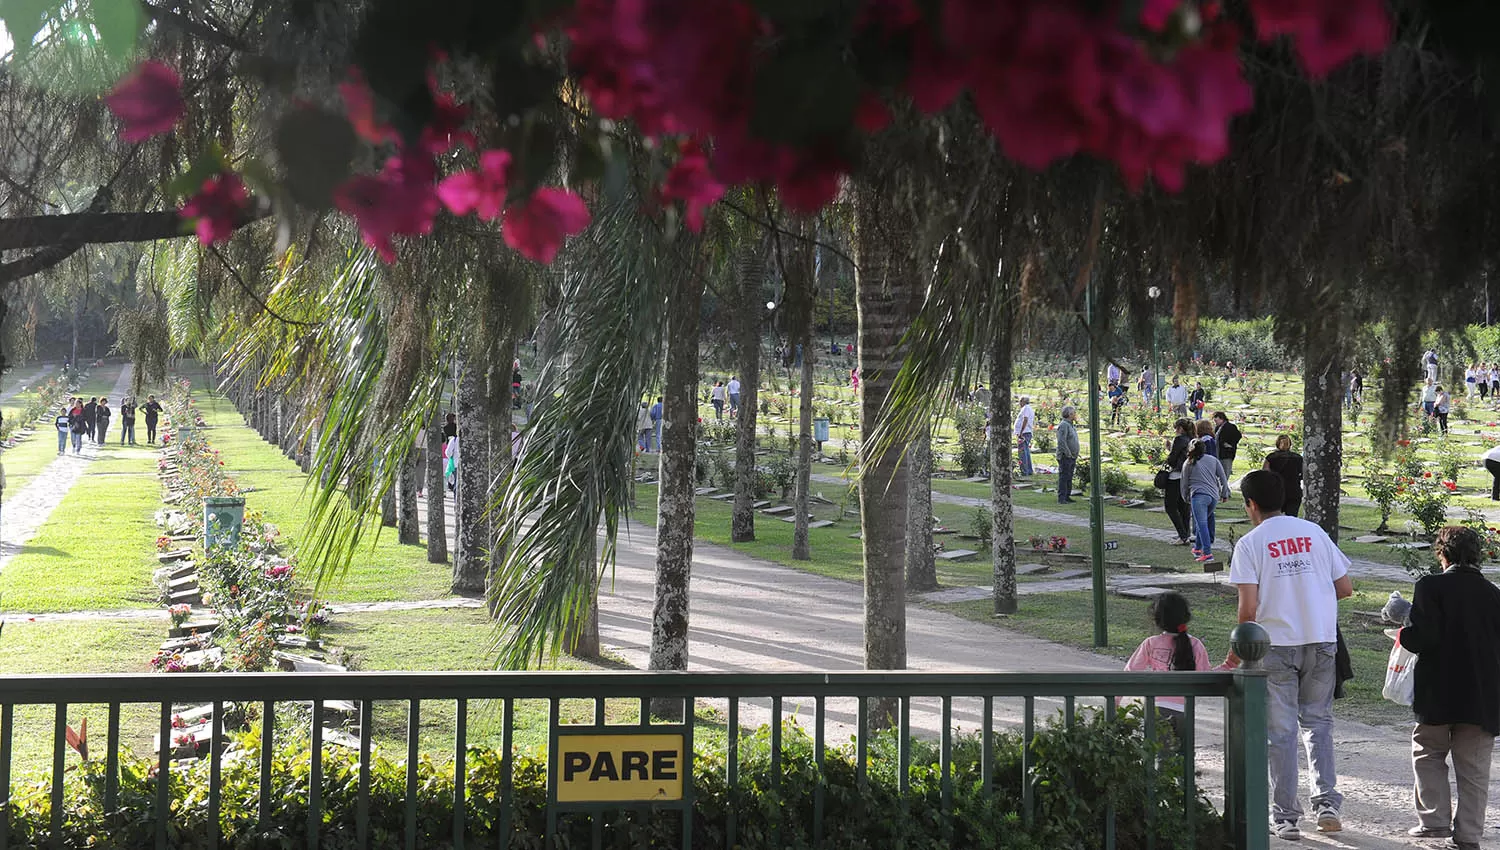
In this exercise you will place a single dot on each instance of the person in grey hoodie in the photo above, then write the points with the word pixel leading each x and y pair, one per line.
pixel 1067 454
pixel 1204 485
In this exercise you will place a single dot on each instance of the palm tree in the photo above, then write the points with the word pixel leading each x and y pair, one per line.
pixel 750 267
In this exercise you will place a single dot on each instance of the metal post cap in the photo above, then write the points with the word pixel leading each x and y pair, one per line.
pixel 1249 641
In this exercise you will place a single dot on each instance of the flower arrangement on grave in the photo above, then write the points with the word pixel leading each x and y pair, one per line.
pixel 163 543
pixel 168 661
pixel 1057 543
pixel 179 614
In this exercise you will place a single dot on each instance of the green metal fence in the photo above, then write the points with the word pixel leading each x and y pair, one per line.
pixel 948 700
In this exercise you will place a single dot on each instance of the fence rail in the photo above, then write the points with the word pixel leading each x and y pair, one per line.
pixel 932 695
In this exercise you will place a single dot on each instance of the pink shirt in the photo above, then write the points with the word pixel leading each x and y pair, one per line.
pixel 1154 655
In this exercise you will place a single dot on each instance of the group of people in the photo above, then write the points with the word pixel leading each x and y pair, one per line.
pixel 721 394
pixel 79 419
pixel 1195 476
pixel 1483 379
pixel 1436 402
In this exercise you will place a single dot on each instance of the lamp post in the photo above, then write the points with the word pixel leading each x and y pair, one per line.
pixel 1096 492
pixel 1153 293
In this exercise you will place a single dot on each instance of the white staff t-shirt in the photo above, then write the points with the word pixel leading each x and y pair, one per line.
pixel 1295 564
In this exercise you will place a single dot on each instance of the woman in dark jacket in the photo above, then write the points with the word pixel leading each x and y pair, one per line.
pixel 1287 464
pixel 1454 628
pixel 1177 507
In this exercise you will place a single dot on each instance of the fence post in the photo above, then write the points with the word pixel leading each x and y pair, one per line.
pixel 1246 787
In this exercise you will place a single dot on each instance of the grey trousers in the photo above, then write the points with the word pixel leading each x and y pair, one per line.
pixel 1471 748
pixel 1299 684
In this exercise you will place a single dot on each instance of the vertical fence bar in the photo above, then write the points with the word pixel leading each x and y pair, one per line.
pixel 776 769
pixel 861 743
pixel 507 773
pixel 1149 718
pixel 554 718
pixel 599 711
pixel 987 748
pixel 362 801
pixel 1067 712
pixel 7 724
pixel 903 748
pixel 164 776
pixel 688 791
pixel 645 711
pixel 315 778
pixel 267 746
pixel 1247 795
pixel 946 765
pixel 732 772
pixel 215 772
pixel 460 768
pixel 413 752
pixel 1111 704
pixel 1189 765
pixel 59 769
pixel 818 720
pixel 1028 763
pixel 111 764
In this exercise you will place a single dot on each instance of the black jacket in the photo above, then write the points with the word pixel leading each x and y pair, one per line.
pixel 1288 465
pixel 1454 628
pixel 1178 455
pixel 89 411
pixel 102 415
pixel 1228 438
pixel 152 409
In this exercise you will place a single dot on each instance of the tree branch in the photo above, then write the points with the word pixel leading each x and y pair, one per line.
pixel 176 20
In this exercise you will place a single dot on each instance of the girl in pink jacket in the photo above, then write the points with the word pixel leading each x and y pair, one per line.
pixel 1172 649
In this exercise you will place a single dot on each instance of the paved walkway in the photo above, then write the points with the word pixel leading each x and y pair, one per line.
pixel 751 615
pixel 27 382
pixel 27 511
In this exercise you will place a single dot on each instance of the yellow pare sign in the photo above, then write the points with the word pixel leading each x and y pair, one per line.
pixel 618 768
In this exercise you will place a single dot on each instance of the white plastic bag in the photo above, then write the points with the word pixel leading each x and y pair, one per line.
pixel 1399 672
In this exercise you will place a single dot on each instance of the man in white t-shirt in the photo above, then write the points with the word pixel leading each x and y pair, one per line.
pixel 1290 577
pixel 1177 396
pixel 734 396
pixel 1025 424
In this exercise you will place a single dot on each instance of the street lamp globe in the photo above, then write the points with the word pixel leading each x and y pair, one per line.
pixel 1153 293
pixel 770 305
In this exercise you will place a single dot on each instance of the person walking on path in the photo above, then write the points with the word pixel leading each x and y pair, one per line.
pixel 1205 430
pixel 1177 506
pixel 77 425
pixel 152 411
pixel 1429 397
pixel 127 420
pixel 1440 405
pixel 1203 486
pixel 1227 436
pixel 102 416
pixel 656 411
pixel 1197 399
pixel 1067 455
pixel 1491 459
pixel 62 423
pixel 1112 374
pixel 1116 403
pixel 1454 628
pixel 90 419
pixel 643 428
pixel 1025 424
pixel 1287 464
pixel 1430 363
pixel 734 396
pixel 1177 396
pixel 716 396
pixel 1290 576
pixel 1147 385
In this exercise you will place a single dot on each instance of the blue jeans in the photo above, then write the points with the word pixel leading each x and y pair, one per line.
pixel 77 442
pixel 62 443
pixel 1023 451
pixel 1299 687
pixel 1203 521
pixel 1065 466
pixel 734 402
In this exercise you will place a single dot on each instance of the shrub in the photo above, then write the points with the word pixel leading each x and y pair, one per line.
pixel 981 525
pixel 1427 502
pixel 783 471
pixel 972 457
pixel 1452 458
pixel 1043 441
pixel 1116 482
pixel 1380 485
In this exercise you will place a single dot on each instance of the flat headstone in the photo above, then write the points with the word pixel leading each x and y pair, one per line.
pixel 1029 569
pixel 184 643
pixel 956 555
pixel 761 504
pixel 1131 503
pixel 1233 520
pixel 183 569
pixel 794 519
pixel 958 594
pixel 174 555
pixel 723 497
pixel 978 479
pixel 1136 592
pixel 1371 538
pixel 778 511
pixel 858 535
pixel 186 596
pixel 187 582
pixel 822 523
pixel 293 662
pixel 194 627
pixel 1413 544
pixel 1159 509
pixel 704 491
pixel 340 738
pixel 1067 574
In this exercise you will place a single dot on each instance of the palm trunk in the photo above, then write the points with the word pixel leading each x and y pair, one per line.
pixel 675 500
pixel 1003 524
pixel 470 566
pixel 408 531
pixel 747 338
pixel 921 561
pixel 801 546
pixel 437 521
pixel 581 637
pixel 388 508
pixel 1323 425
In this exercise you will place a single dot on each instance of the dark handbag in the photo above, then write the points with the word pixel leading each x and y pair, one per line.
pixel 1163 479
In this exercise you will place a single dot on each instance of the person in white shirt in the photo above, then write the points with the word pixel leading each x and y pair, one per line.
pixel 1177 398
pixel 716 395
pixel 1112 374
pixel 734 396
pixel 1492 464
pixel 1290 576
pixel 1025 424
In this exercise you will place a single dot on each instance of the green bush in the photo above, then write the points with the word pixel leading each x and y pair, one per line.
pixel 1116 482
pixel 1078 774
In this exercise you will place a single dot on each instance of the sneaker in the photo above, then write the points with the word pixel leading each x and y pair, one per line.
pixel 1204 558
pixel 1328 820
pixel 1429 832
pixel 1286 830
pixel 1455 844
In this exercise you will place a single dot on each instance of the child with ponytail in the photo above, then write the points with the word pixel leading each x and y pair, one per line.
pixel 1172 649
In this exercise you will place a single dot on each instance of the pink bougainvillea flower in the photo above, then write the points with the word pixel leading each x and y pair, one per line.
pixel 1325 34
pixel 1156 13
pixel 692 182
pixel 446 127
pixel 360 104
pixel 536 228
pixel 481 191
pixel 217 207
pixel 400 201
pixel 148 101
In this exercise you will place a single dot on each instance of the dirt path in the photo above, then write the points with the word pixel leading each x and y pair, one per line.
pixel 27 511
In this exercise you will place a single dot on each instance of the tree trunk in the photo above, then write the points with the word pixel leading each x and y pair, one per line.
pixel 1323 425
pixel 885 292
pixel 388 507
pixel 408 530
pixel 675 500
pixel 747 338
pixel 437 521
pixel 470 566
pixel 1003 524
pixel 921 561
pixel 801 546
pixel 581 639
